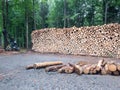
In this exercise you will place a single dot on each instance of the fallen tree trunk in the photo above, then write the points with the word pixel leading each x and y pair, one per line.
pixel 54 68
pixel 66 69
pixel 118 67
pixel 46 64
pixel 78 69
pixel 116 73
pixel 86 69
pixel 82 63
pixel 103 71
pixel 29 67
pixel 102 67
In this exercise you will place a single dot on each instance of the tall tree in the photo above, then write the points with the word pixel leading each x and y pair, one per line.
pixel 26 23
pixel 34 21
pixel 4 14
pixel 43 14
pixel 1 24
pixel 65 14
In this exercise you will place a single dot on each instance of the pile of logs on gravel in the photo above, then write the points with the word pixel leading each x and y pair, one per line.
pixel 102 67
pixel 98 40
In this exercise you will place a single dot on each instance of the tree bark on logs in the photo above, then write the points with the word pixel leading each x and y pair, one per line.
pixel 46 64
pixel 103 71
pixel 102 67
pixel 29 67
pixel 116 73
pixel 78 69
pixel 66 69
pixel 82 63
pixel 86 69
pixel 54 68
pixel 118 67
pixel 101 63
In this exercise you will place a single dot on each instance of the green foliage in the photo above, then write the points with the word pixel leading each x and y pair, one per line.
pixel 55 16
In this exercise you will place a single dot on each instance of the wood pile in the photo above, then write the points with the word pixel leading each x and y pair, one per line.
pixel 102 67
pixel 98 40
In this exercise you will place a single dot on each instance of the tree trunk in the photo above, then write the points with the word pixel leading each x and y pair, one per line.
pixel 106 6
pixel 65 14
pixel 34 23
pixel 54 68
pixel 119 15
pixel 26 24
pixel 106 11
pixel 7 19
pixel 27 32
pixel 3 14
pixel 4 22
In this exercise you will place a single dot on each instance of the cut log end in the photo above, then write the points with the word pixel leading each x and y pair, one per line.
pixel 112 67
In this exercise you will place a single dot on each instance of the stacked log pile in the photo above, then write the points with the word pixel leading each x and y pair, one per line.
pixel 102 67
pixel 95 40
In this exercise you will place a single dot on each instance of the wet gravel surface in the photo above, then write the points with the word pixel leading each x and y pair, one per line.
pixel 13 75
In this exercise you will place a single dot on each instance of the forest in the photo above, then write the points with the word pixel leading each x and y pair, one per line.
pixel 20 17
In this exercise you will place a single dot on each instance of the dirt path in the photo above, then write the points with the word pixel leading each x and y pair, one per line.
pixel 13 75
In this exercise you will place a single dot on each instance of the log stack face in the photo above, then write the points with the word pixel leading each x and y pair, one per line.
pixel 95 40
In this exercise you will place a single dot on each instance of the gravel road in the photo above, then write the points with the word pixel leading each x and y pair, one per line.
pixel 13 75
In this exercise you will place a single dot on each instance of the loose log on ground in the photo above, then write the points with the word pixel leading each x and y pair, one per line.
pixel 86 69
pixel 82 63
pixel 93 69
pixel 66 69
pixel 78 69
pixel 107 70
pixel 46 64
pixel 103 71
pixel 54 68
pixel 29 67
pixel 118 67
pixel 112 67
pixel 116 73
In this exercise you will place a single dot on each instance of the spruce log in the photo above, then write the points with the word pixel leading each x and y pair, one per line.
pixel 53 68
pixel 46 64
pixel 86 69
pixel 107 70
pixel 112 67
pixel 78 69
pixel 82 63
pixel 66 69
pixel 103 71
pixel 116 73
pixel 93 69
pixel 101 63
pixel 118 67
pixel 29 67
